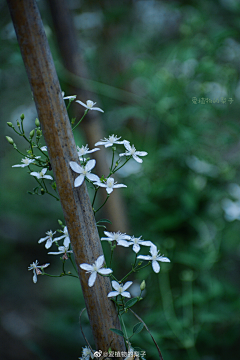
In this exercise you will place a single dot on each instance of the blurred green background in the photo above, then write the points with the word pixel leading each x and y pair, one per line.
pixel 185 197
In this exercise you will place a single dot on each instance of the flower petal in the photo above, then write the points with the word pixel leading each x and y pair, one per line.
pixel 105 271
pixel 90 165
pixel 79 180
pixel 115 285
pixel 92 279
pixel 155 266
pixel 136 248
pixel 113 293
pixel 126 294
pixel 145 257
pixel 92 177
pixel 81 103
pixel 100 261
pixel 75 167
pixel 127 285
pixel 86 267
pixel 97 109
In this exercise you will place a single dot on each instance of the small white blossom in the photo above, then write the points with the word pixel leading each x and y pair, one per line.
pixel 36 269
pixel 62 250
pixel 154 258
pixel 94 269
pixel 131 151
pixel 119 237
pixel 71 97
pixel 120 289
pixel 89 105
pixel 136 242
pixel 109 184
pixel 26 162
pixel 113 139
pixel 41 174
pixel 87 354
pixel 65 236
pixel 84 150
pixel 48 239
pixel 84 171
pixel 43 148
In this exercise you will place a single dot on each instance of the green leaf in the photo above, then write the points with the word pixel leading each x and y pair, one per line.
pixel 138 327
pixel 131 302
pixel 118 332
pixel 104 220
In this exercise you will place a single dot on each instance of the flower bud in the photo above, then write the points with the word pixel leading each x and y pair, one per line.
pixel 32 133
pixel 143 285
pixel 18 124
pixel 10 124
pixel 39 133
pixel 22 117
pixel 60 222
pixel 42 191
pixel 10 140
pixel 37 122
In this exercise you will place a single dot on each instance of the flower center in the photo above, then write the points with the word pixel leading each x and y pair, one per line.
pixel 110 182
pixel 41 174
pixel 112 139
pixel 89 103
pixel 133 150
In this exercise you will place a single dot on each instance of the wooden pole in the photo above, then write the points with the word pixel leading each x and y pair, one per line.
pixel 58 135
pixel 69 48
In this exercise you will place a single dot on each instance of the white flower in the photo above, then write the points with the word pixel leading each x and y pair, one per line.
pixel 41 174
pixel 43 148
pixel 65 236
pixel 36 269
pixel 84 150
pixel 71 98
pixel 94 269
pixel 62 250
pixel 87 353
pixel 109 184
pixel 136 242
pixel 120 289
pixel 131 151
pixel 154 258
pixel 83 171
pixel 49 239
pixel 113 139
pixel 89 105
pixel 26 161
pixel 119 237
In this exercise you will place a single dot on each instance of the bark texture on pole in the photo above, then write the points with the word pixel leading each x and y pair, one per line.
pixel 69 48
pixel 58 135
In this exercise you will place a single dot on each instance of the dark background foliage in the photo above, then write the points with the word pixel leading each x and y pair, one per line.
pixel 148 59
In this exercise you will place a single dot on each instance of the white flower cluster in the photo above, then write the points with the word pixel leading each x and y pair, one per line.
pixel 125 241
pixel 62 250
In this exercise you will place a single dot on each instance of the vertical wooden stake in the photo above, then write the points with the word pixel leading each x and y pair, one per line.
pixel 58 135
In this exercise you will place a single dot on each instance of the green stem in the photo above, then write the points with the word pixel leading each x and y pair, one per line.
pixel 96 190
pixel 101 205
pixel 85 113
pixel 117 168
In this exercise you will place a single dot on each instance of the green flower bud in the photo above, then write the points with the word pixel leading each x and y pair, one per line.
pixel 60 222
pixel 42 191
pixel 10 140
pixel 143 285
pixel 37 122
pixel 18 124
pixel 22 117
pixel 10 124
pixel 32 133
pixel 39 133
